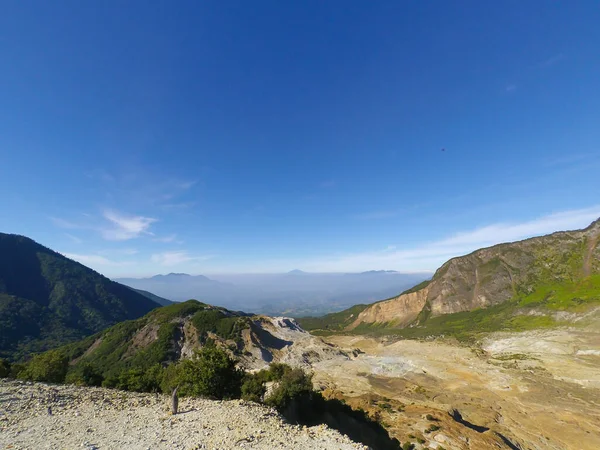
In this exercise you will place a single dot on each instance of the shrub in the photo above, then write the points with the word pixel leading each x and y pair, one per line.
pixel 171 378
pixel 253 388
pixel 85 374
pixel 277 371
pixel 294 383
pixel 4 368
pixel 50 366
pixel 137 380
pixel 210 373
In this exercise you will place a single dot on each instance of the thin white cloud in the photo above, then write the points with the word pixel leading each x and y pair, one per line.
pixel 119 252
pixel 62 223
pixel 95 260
pixel 123 227
pixel 74 239
pixel 569 160
pixel 506 232
pixel 118 226
pixel 168 239
pixel 375 215
pixel 431 255
pixel 185 185
pixel 176 258
pixel 181 205
pixel 552 60
pixel 511 88
pixel 328 184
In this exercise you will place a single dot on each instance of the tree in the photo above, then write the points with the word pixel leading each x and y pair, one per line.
pixel 211 373
pixel 50 366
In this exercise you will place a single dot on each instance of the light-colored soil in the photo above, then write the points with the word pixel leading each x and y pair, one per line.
pixel 95 418
pixel 540 390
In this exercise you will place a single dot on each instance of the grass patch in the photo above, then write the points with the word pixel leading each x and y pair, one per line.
pixel 331 322
pixel 566 296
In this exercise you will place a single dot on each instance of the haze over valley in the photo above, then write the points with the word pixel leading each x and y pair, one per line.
pixel 295 293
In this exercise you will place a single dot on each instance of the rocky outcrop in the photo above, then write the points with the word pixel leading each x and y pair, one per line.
pixel 494 275
pixel 400 310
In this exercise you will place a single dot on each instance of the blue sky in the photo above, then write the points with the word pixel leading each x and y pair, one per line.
pixel 211 137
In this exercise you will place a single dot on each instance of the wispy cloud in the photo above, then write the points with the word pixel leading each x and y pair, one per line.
pixel 96 260
pixel 431 255
pixel 113 226
pixel 124 227
pixel 328 184
pixel 568 160
pixel 143 187
pixel 74 239
pixel 118 252
pixel 176 258
pixel 376 215
pixel 168 239
pixel 511 88
pixel 555 59
pixel 180 205
pixel 185 185
pixel 62 223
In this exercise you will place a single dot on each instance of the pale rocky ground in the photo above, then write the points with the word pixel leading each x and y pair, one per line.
pixel 541 389
pixel 538 389
pixel 95 418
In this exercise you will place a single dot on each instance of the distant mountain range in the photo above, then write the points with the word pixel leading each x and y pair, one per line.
pixel 295 293
pixel 539 282
pixel 47 299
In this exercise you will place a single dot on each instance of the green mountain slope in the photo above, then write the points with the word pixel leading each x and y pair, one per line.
pixel 47 300
pixel 538 282
pixel 159 337
pixel 155 298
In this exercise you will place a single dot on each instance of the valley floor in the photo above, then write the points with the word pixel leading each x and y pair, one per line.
pixel 95 418
pixel 532 390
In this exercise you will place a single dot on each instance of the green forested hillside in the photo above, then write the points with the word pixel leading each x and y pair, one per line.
pixel 47 300
pixel 155 338
pixel 155 298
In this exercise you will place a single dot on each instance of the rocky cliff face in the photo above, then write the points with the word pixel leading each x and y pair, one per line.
pixel 495 275
pixel 401 310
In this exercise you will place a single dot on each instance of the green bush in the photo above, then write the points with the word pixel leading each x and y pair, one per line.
pixel 4 368
pixel 277 371
pixel 137 380
pixel 50 366
pixel 210 373
pixel 171 378
pixel 293 384
pixel 85 374
pixel 253 388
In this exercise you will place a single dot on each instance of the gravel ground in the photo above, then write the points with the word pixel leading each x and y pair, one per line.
pixel 41 416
